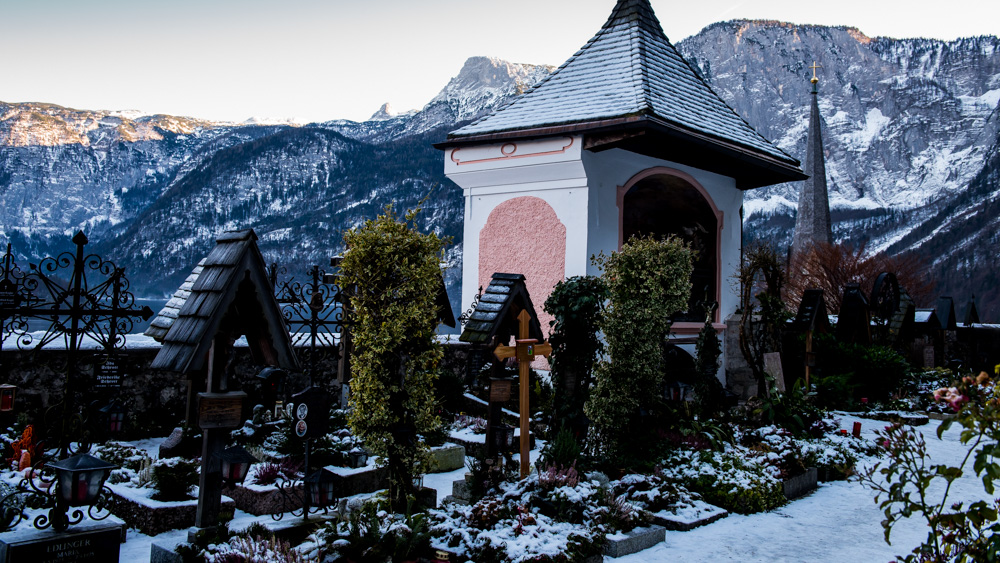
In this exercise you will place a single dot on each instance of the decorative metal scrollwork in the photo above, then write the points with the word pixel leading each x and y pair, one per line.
pixel 314 312
pixel 294 500
pixel 463 319
pixel 74 296
pixel 40 504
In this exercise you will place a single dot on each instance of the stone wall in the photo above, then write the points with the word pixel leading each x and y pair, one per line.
pixel 156 400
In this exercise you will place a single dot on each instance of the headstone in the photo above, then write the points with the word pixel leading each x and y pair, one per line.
pixel 772 365
pixel 87 543
pixel 928 356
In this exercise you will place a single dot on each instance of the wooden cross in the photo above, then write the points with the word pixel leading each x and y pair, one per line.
pixel 525 351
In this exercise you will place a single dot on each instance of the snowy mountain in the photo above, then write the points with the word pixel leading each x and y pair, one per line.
pixel 911 133
pixel 909 127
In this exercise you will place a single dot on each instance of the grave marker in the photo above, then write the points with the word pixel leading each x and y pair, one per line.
pixel 525 351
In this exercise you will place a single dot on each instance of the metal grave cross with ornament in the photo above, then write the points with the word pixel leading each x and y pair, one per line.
pixel 525 351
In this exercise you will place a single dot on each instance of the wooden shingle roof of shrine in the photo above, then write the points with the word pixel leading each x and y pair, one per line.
pixel 233 269
pixel 497 310
pixel 629 88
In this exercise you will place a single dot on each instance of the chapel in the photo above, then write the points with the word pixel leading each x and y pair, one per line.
pixel 624 139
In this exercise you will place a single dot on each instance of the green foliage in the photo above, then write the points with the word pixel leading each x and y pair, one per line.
pixel 562 451
pixel 576 305
pixel 905 484
pixel 174 477
pixel 647 281
pixel 793 410
pixel 394 272
pixel 707 385
pixel 725 479
pixel 848 372
pixel 371 535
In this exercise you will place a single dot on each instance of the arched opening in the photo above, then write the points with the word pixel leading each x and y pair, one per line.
pixel 663 202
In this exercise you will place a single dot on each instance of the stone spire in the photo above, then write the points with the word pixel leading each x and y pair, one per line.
pixel 812 223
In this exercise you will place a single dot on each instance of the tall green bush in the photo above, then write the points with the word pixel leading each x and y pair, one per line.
pixel 395 272
pixel 576 305
pixel 647 281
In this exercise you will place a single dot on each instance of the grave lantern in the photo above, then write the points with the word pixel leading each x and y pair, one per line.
pixel 358 457
pixel 113 416
pixel 7 392
pixel 236 463
pixel 503 437
pixel 320 488
pixel 79 479
pixel 273 380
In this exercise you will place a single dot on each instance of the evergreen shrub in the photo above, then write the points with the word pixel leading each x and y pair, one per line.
pixel 648 281
pixel 394 275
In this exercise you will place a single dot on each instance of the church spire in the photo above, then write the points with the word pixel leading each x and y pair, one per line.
pixel 812 223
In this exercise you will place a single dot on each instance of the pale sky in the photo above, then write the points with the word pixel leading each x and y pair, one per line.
pixel 317 60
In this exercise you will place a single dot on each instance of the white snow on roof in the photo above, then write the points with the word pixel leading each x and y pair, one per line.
pixel 629 68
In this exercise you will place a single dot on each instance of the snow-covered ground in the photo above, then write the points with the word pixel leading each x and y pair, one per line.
pixel 838 522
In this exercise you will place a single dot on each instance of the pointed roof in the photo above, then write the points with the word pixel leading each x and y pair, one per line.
pixel 497 311
pixel 629 76
pixel 812 222
pixel 233 273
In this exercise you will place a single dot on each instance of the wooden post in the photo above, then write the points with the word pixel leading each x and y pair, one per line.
pixel 525 352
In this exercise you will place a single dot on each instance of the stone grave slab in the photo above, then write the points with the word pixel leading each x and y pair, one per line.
pixel 88 542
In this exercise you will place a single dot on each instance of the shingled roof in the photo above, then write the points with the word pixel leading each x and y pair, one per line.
pixel 223 277
pixel 630 76
pixel 168 314
pixel 497 311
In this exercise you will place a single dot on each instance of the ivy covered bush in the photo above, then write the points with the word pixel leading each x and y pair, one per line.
pixel 647 282
pixel 394 275
pixel 576 305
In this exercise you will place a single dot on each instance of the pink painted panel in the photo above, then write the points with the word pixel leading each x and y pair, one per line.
pixel 524 236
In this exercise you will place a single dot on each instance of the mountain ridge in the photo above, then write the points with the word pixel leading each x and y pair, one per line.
pixel 909 126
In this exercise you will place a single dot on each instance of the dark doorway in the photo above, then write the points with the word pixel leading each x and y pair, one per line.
pixel 664 205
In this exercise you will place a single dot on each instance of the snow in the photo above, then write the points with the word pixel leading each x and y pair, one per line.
pixel 837 522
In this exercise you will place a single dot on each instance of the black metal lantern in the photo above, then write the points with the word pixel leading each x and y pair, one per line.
pixel 113 415
pixel 320 488
pixel 7 393
pixel 236 463
pixel 79 479
pixel 273 380
pixel 358 457
pixel 503 436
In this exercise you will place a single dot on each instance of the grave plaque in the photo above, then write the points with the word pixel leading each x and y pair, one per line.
pixel 8 295
pixel 92 544
pixel 109 373
pixel 928 356
pixel 500 390
pixel 220 410
pixel 772 365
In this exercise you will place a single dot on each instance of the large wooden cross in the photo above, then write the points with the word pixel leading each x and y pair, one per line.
pixel 525 352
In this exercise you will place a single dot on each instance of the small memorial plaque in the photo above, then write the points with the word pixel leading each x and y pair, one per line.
pixel 109 373
pixel 8 295
pixel 499 390
pixel 220 410
pixel 301 428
